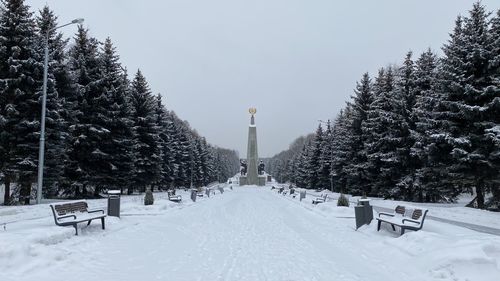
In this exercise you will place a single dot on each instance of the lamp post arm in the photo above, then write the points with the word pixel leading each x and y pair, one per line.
pixel 57 27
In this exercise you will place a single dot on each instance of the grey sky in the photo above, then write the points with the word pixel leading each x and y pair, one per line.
pixel 295 61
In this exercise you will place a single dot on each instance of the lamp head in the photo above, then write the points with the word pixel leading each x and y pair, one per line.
pixel 79 21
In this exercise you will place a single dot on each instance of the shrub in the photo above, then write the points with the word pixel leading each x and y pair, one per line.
pixel 343 201
pixel 149 199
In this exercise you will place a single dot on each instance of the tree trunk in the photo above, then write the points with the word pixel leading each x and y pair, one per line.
pixel 77 191
pixel 480 195
pixel 97 190
pixel 6 196
pixel 25 193
pixel 84 191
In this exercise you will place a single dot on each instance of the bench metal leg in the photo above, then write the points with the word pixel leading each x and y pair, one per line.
pixel 378 225
pixel 393 228
pixel 89 222
pixel 102 222
pixel 402 231
pixel 76 229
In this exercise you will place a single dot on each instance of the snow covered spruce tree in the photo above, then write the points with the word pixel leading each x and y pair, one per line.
pixel 356 167
pixel 427 171
pixel 299 171
pixel 87 161
pixel 404 92
pixel 313 164
pixel 183 155
pixel 166 142
pixel 19 97
pixel 117 162
pixel 283 165
pixel 325 158
pixel 228 163
pixel 385 130
pixel 146 141
pixel 342 144
pixel 207 161
pixel 464 112
pixel 492 106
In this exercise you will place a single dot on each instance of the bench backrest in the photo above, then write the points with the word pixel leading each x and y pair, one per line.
pixel 417 214
pixel 400 210
pixel 68 208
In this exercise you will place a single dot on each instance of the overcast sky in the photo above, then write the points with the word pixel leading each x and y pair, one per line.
pixel 295 61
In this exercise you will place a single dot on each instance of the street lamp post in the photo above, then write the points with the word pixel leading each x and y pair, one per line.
pixel 41 150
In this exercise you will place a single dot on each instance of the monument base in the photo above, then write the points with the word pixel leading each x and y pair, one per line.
pixel 261 181
pixel 243 181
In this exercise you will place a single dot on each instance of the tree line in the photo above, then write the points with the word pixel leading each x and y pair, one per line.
pixel 103 129
pixel 423 131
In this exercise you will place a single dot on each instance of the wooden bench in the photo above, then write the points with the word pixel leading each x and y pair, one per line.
pixel 321 199
pixel 404 218
pixel 72 213
pixel 175 198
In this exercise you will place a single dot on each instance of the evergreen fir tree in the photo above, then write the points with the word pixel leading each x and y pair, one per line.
pixel 19 96
pixel 464 84
pixel 427 173
pixel 384 130
pixel 146 141
pixel 117 166
pixel 492 112
pixel 164 124
pixel 356 168
pixel 325 158
pixel 405 91
pixel 86 158
pixel 342 153
pixel 313 164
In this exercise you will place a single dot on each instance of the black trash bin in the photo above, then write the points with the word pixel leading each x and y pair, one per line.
pixel 114 203
pixel 194 195
pixel 363 212
pixel 302 195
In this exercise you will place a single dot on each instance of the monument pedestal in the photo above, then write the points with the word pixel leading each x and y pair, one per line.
pixel 262 181
pixel 243 180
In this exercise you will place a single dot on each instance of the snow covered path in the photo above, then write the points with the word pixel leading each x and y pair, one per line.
pixel 247 234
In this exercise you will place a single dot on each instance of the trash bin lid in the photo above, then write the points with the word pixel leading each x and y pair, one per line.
pixel 114 192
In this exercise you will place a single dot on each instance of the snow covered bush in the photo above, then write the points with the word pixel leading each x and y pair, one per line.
pixel 343 201
pixel 149 199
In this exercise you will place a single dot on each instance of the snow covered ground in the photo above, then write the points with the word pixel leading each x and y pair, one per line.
pixel 447 211
pixel 250 233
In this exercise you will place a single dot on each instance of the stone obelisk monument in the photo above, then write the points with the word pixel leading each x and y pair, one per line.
pixel 252 177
